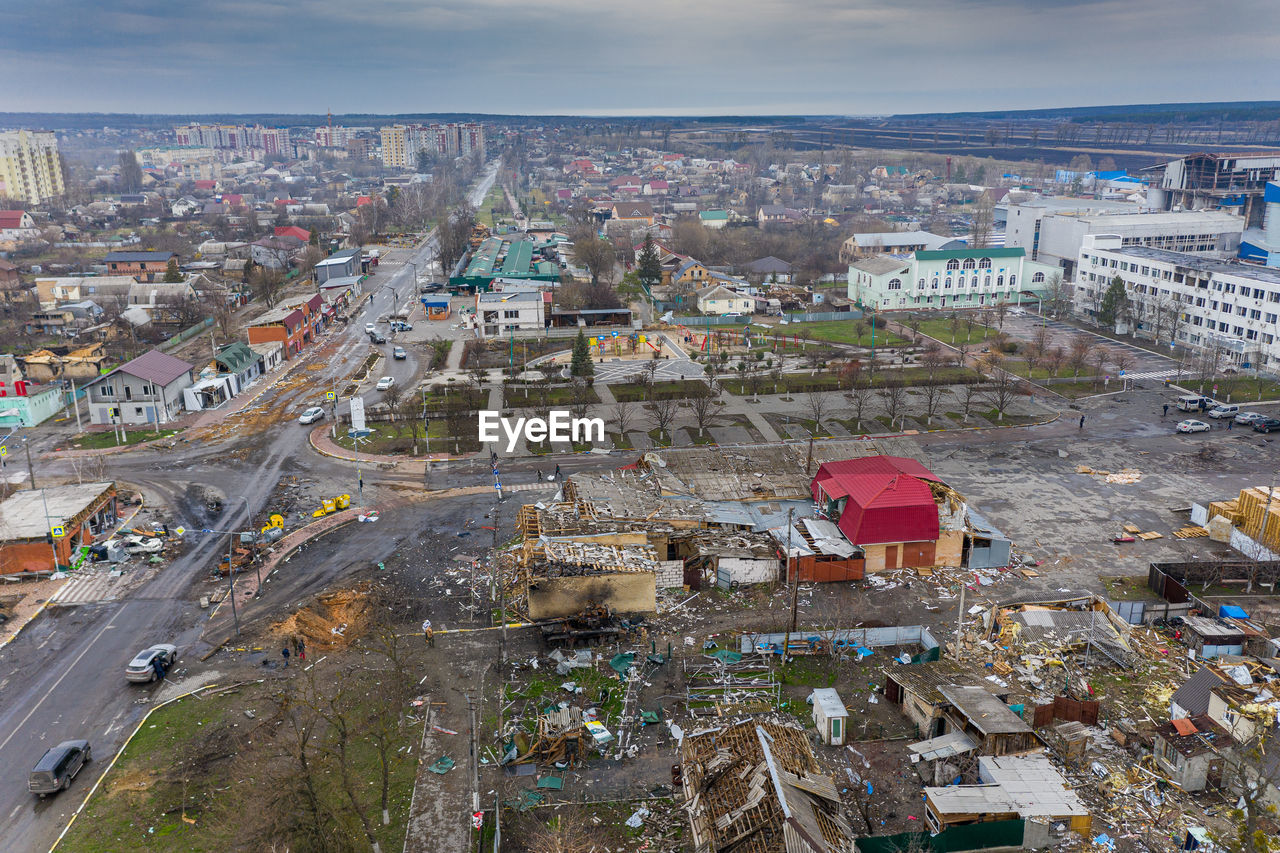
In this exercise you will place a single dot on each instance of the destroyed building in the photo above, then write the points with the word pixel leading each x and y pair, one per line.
pixel 918 689
pixel 1189 751
pixel 756 788
pixel 1009 788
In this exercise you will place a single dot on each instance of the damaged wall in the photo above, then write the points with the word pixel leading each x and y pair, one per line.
pixel 625 592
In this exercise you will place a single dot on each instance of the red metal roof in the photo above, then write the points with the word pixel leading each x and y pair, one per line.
pixel 11 218
pixel 1184 727
pixel 888 499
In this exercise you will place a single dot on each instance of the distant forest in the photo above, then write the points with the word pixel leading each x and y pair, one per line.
pixel 1204 113
pixel 1228 111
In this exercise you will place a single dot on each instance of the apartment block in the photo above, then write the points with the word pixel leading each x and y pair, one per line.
pixel 30 166
pixel 1228 307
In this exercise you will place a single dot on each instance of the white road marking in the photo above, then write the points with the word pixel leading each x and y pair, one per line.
pixel 65 673
pixel 15 811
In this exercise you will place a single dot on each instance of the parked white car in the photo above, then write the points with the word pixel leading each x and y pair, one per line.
pixel 311 415
pixel 385 382
pixel 1223 410
pixel 1249 417
pixel 1193 426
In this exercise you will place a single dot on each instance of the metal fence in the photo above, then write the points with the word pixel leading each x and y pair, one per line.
pixel 185 335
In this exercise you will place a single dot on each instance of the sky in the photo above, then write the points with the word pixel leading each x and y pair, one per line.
pixel 604 57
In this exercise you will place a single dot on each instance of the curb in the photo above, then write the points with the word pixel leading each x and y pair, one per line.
pixel 378 459
pixel 124 745
pixel 73 453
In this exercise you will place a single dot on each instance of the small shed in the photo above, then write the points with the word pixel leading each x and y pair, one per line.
pixel 1211 638
pixel 830 716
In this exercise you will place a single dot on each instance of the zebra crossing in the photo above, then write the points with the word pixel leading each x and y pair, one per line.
pixel 88 587
pixel 1151 374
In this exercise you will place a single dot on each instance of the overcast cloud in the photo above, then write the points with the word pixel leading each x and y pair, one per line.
pixel 595 57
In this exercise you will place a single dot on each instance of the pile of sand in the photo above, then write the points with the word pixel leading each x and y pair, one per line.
pixel 331 621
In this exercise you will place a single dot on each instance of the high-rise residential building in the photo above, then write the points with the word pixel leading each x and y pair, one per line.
pixel 339 136
pixel 399 146
pixel 236 137
pixel 30 166
pixel 401 143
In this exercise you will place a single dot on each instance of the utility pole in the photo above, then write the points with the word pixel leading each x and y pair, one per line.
pixel 502 588
pixel 231 582
pixel 960 621
pixel 75 404
pixel 31 472
pixel 795 591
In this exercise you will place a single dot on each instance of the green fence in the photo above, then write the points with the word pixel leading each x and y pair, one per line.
pixel 973 836
pixel 186 334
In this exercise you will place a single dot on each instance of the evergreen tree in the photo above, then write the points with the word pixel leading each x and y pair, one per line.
pixel 581 364
pixel 315 237
pixel 1115 304
pixel 648 265
pixel 172 274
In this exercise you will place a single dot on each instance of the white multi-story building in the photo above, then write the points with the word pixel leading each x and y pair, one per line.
pixel 1055 237
pixel 338 137
pixel 499 313
pixel 948 279
pixel 1196 302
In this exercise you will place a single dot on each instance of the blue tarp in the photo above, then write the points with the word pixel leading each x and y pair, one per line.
pixel 1230 611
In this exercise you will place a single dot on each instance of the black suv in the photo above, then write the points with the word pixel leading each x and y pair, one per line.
pixel 58 766
pixel 377 337
pixel 1266 425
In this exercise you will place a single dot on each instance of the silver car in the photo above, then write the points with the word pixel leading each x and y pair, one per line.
pixel 1248 418
pixel 142 668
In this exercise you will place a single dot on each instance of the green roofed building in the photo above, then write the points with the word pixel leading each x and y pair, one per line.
pixel 946 279
pixel 500 257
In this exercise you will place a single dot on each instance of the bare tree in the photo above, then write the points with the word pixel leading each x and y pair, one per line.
pixel 267 284
pixel 453 235
pixel 582 397
pixel 1002 309
pixel 595 254
pixel 622 413
pixel 662 413
pixel 1079 355
pixel 1001 390
pixel 893 398
pixel 818 406
pixel 970 394
pixel 411 411
pixel 859 397
pixel 704 402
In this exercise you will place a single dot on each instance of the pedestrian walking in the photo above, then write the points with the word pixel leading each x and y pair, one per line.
pixel 428 633
pixel 285 654
pixel 1166 411
pixel 1082 422
pixel 302 649
pixel 1231 422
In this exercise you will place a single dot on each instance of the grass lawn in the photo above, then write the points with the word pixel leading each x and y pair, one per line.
pixel 620 440
pixel 392 438
pixel 940 328
pixel 495 198
pixel 633 393
pixel 1021 368
pixel 515 396
pixel 135 435
pixel 169 789
pixel 842 332
pixel 1240 389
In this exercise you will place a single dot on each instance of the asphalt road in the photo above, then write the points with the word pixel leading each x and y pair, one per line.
pixel 63 676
